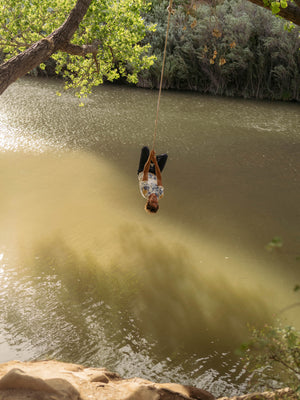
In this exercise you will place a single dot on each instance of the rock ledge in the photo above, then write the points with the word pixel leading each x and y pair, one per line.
pixel 53 380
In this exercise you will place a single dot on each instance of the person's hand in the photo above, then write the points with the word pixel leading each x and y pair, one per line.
pixel 152 154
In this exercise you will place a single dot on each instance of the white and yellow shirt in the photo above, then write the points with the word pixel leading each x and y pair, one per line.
pixel 150 186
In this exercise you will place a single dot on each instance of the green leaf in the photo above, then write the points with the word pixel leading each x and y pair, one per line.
pixel 283 4
pixel 275 7
pixel 275 244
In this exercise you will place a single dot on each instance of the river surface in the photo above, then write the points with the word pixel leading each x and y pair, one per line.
pixel 87 276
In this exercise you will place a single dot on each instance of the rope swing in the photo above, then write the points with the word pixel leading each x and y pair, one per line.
pixel 170 11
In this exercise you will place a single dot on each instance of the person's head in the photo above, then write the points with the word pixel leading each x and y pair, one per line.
pixel 152 205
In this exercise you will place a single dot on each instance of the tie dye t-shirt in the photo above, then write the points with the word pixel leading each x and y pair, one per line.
pixel 150 186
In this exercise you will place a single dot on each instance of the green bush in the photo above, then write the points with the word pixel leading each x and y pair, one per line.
pixel 272 357
pixel 234 49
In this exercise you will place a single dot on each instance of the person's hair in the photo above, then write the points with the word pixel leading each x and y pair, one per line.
pixel 150 208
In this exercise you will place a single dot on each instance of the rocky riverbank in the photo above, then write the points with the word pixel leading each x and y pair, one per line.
pixel 53 380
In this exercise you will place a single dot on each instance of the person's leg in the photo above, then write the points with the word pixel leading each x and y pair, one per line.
pixel 143 158
pixel 161 160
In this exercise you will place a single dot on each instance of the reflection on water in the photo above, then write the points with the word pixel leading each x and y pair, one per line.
pixel 86 276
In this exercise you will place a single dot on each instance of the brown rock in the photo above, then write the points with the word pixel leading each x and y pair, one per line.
pixel 281 394
pixel 17 379
pixel 18 385
pixel 52 380
pixel 100 378
pixel 188 391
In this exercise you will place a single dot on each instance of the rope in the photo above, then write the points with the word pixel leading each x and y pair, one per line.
pixel 170 10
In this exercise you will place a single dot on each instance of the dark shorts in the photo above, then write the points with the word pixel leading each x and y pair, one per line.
pixel 161 160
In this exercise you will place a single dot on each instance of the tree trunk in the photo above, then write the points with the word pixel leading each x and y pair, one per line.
pixel 24 62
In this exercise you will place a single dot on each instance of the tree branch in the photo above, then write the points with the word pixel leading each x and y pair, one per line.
pixel 77 50
pixel 18 45
pixel 279 360
pixel 297 2
pixel 290 13
pixel 66 31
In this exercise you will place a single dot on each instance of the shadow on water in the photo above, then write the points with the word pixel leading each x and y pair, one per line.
pixel 156 290
pixel 151 313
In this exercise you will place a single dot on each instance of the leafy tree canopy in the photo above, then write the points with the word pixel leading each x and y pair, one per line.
pixel 96 40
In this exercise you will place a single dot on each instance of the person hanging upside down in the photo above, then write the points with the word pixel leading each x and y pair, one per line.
pixel 149 176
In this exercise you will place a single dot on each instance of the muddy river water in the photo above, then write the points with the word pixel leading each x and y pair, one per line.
pixel 87 276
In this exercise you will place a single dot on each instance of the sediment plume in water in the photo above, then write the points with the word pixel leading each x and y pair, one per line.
pixel 77 217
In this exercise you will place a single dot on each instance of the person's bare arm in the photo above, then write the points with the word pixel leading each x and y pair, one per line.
pixel 157 169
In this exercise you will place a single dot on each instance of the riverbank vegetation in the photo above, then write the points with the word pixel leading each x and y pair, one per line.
pixel 272 357
pixel 232 49
pixel 228 48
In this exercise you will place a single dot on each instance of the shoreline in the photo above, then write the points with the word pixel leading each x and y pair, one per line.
pixel 54 380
